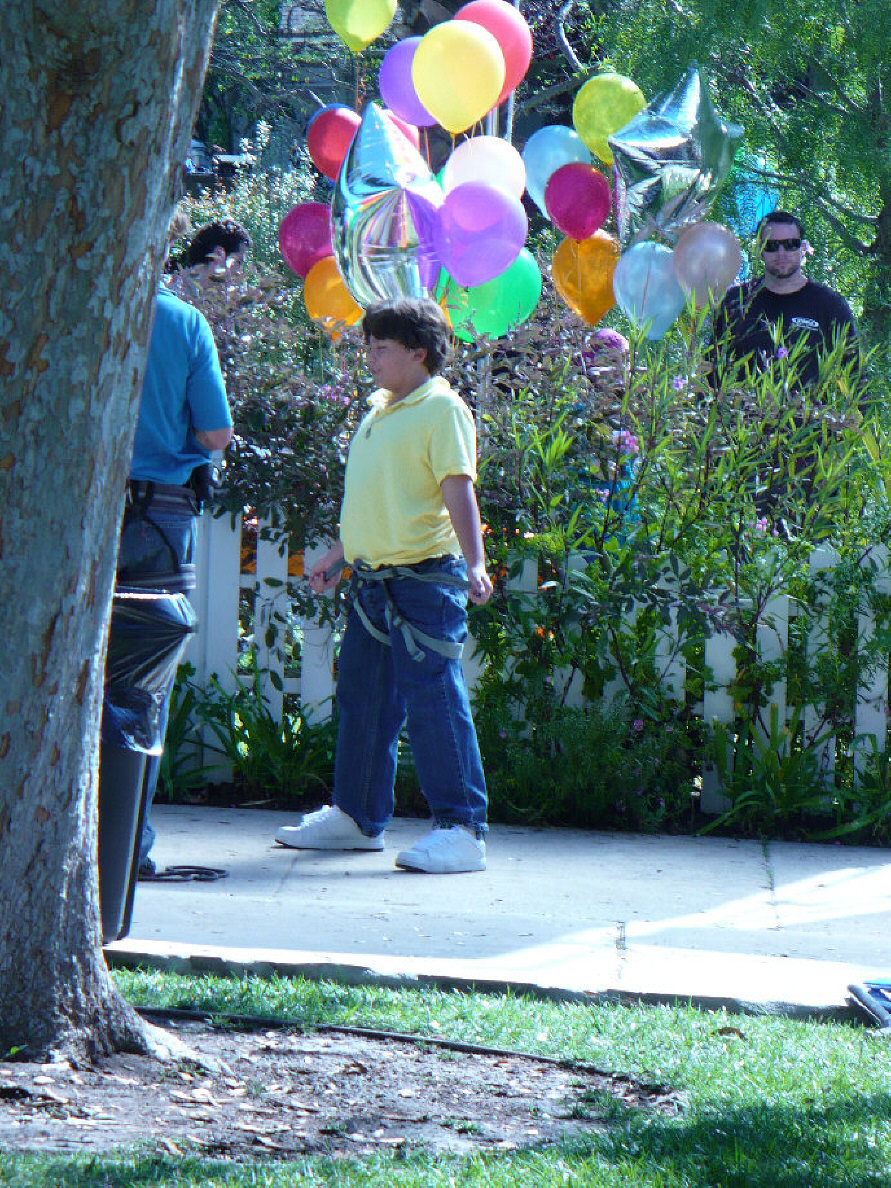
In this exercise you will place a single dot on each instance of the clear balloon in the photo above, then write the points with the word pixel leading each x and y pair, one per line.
pixel 329 135
pixel 304 236
pixel 496 307
pixel 383 213
pixel 407 130
pixel 707 259
pixel 670 162
pixel 511 30
pixel 577 198
pixel 327 299
pixel 396 86
pixel 583 274
pixel 546 150
pixel 646 288
pixel 359 22
pixel 486 159
pixel 458 72
pixel 480 231
pixel 602 106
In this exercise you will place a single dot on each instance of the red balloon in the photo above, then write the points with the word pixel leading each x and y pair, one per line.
pixel 577 199
pixel 328 137
pixel 407 129
pixel 509 28
pixel 304 236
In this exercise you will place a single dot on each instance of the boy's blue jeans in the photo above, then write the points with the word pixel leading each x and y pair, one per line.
pixel 379 688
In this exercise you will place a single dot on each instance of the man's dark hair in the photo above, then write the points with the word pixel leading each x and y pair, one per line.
pixel 414 322
pixel 778 216
pixel 224 233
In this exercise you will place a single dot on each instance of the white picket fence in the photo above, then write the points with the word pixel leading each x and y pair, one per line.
pixel 223 583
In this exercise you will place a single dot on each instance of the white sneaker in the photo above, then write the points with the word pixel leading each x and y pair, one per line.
pixel 327 829
pixel 445 851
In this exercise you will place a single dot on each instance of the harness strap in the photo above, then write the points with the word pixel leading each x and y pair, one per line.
pixel 412 636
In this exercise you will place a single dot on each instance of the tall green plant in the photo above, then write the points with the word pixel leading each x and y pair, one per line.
pixel 658 505
pixel 287 758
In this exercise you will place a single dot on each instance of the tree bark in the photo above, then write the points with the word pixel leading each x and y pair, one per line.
pixel 98 103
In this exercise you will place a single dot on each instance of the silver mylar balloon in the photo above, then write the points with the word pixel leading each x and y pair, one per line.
pixel 669 162
pixel 384 205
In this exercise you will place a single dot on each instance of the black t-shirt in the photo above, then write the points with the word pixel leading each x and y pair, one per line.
pixel 747 318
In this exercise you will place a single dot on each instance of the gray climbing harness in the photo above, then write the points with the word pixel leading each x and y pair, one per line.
pixel 413 638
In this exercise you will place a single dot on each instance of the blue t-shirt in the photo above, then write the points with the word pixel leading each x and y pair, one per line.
pixel 183 390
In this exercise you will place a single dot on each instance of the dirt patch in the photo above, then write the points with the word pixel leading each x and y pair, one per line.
pixel 283 1094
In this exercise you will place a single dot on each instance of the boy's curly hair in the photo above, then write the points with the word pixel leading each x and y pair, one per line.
pixel 413 322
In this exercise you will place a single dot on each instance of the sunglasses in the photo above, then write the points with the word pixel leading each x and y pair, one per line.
pixel 774 245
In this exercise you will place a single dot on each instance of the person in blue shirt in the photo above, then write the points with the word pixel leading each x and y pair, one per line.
pixel 183 420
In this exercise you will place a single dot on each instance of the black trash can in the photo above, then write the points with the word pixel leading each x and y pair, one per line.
pixel 147 636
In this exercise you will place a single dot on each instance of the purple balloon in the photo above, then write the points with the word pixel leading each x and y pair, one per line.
pixel 425 216
pixel 480 231
pixel 396 87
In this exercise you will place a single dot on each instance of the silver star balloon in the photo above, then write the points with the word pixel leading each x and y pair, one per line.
pixel 670 161
pixel 384 206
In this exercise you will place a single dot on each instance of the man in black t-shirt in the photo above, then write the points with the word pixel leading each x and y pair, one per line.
pixel 765 319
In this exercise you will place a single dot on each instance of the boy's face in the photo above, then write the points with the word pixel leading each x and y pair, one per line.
pixel 394 366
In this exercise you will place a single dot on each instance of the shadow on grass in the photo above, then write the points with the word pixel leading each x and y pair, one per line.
pixel 842 1143
pixel 833 1144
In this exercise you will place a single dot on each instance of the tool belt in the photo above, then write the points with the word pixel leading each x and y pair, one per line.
pixel 413 638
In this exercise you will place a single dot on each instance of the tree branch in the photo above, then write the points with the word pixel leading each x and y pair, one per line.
pixel 830 207
pixel 560 31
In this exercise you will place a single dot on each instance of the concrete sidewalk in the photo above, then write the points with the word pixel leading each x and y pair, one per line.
pixel 779 927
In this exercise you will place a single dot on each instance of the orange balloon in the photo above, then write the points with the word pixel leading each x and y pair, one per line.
pixel 583 273
pixel 327 298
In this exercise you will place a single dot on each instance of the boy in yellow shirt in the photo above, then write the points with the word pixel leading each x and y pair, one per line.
pixel 410 532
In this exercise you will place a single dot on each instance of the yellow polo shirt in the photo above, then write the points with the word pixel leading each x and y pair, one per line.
pixel 393 513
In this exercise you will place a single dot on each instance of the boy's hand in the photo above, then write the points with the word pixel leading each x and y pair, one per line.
pixel 460 501
pixel 327 571
pixel 480 588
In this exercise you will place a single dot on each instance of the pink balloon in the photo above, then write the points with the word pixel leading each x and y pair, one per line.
pixel 479 233
pixel 329 135
pixel 577 199
pixel 510 30
pixel 304 236
pixel 395 84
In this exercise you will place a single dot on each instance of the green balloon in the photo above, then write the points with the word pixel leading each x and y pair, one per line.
pixel 497 306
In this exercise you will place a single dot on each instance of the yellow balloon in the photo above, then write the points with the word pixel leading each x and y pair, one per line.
pixel 605 104
pixel 583 273
pixel 358 22
pixel 327 299
pixel 458 72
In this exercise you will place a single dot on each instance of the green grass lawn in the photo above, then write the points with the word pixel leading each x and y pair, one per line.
pixel 777 1102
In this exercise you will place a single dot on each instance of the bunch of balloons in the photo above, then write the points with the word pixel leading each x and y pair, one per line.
pixel 393 229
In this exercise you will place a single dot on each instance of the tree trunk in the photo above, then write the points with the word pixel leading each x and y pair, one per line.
pixel 98 101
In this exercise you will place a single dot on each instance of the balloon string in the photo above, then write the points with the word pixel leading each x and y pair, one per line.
pixel 426 146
